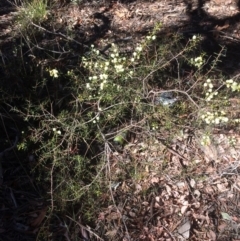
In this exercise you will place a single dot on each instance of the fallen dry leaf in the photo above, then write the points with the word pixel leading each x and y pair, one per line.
pixel 111 233
pixel 138 188
pixel 184 229
pixel 192 183
pixel 155 180
pixel 184 207
pixel 212 235
pixel 113 216
pixel 220 28
pixel 39 219
pixel 222 227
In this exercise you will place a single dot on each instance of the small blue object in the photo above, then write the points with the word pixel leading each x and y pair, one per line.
pixel 165 99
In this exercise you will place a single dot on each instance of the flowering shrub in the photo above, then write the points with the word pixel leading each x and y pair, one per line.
pixel 112 82
pixel 197 62
pixel 209 90
pixel 215 116
pixel 233 85
pixel 78 112
pixel 54 73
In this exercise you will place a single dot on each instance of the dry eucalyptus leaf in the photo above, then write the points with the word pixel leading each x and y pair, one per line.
pixel 132 214
pixel 226 216
pixel 169 189
pixel 192 183
pixel 212 235
pixel 221 187
pixel 197 193
pixel 222 227
pixel 39 219
pixel 154 180
pixel 180 184
pixel 111 233
pixel 138 188
pixel 184 207
pixel 184 230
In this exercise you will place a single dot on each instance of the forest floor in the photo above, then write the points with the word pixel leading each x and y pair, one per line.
pixel 185 190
